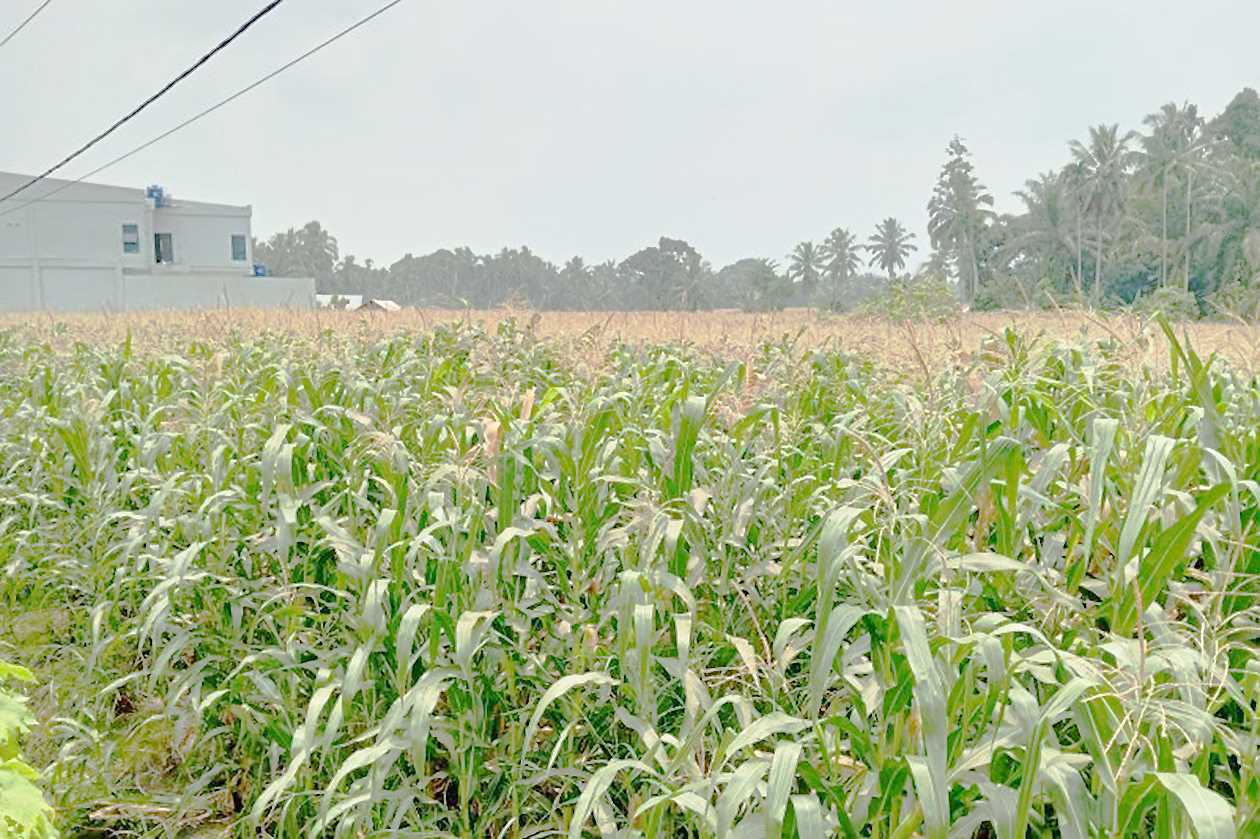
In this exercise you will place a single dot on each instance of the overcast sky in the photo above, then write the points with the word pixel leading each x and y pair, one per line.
pixel 595 127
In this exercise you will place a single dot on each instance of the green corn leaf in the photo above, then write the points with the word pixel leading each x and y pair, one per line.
pixel 739 790
pixel 827 644
pixel 781 781
pixel 929 772
pixel 1073 807
pixel 770 725
pixel 561 687
pixel 690 420
pixel 422 700
pixel 1156 567
pixel 594 789
pixel 1102 439
pixel 404 643
pixel 1145 493
pixel 946 521
pixel 1209 813
pixel 832 541
pixel 810 823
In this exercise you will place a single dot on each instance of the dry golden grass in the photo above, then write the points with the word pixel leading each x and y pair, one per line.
pixel 906 346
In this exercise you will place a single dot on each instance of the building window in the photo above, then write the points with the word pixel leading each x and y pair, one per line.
pixel 238 248
pixel 163 247
pixel 131 238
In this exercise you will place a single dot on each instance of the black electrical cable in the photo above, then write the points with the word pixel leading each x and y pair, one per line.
pixel 22 25
pixel 146 103
pixel 216 106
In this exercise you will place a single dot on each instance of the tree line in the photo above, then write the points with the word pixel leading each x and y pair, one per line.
pixel 1172 209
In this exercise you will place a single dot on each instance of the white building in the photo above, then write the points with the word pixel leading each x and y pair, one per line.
pixel 89 247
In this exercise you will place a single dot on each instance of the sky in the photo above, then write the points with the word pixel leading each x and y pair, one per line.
pixel 594 127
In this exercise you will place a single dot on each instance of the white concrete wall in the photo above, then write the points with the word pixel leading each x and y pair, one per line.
pixel 86 289
pixel 94 289
pixel 18 290
pixel 202 234
pixel 216 291
pixel 76 232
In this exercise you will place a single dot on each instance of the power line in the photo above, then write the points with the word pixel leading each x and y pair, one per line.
pixel 22 25
pixel 146 103
pixel 198 116
pixel 238 94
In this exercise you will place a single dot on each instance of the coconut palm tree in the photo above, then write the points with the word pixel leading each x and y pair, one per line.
pixel 1042 236
pixel 1229 236
pixel 1103 166
pixel 1193 159
pixel 1073 178
pixel 1177 144
pixel 890 246
pixel 1155 172
pixel 805 264
pixel 840 261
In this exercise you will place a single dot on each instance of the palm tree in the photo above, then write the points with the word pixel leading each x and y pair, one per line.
pixel 1191 148
pixel 1159 157
pixel 805 265
pixel 1073 177
pixel 840 261
pixel 1042 236
pixel 1102 165
pixel 890 246
pixel 958 213
pixel 1229 236
pixel 1177 141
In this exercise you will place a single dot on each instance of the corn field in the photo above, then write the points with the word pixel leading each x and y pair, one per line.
pixel 470 582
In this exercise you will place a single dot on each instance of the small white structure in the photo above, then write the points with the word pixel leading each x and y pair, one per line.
pixel 356 303
pixel 68 246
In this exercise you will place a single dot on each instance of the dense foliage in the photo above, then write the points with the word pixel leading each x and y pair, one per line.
pixel 23 811
pixel 481 585
pixel 1177 206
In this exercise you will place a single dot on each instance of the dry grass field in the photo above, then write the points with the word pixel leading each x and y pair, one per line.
pixel 918 347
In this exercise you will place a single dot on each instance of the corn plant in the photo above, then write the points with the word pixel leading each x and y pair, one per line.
pixel 479 583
